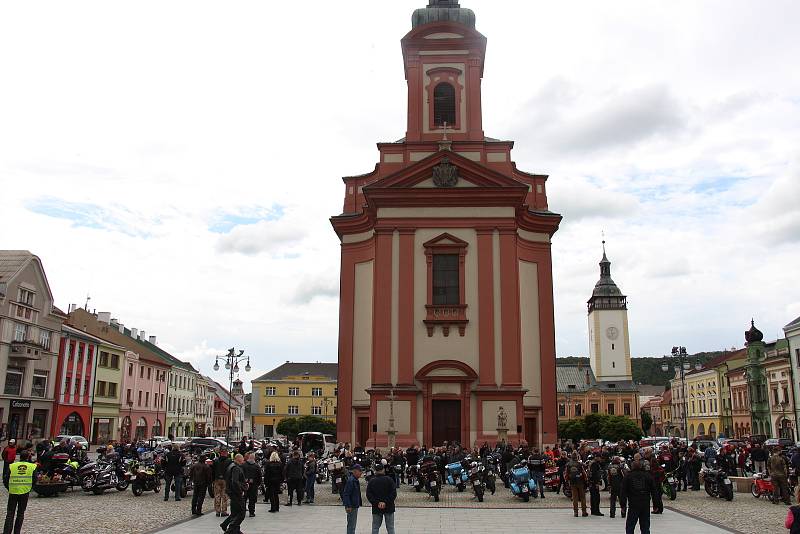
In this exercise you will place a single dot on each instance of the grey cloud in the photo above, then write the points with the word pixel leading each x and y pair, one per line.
pixel 577 200
pixel 558 122
pixel 314 288
pixel 264 236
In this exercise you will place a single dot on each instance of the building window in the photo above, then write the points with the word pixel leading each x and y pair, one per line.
pixel 141 372
pixel 294 392
pixel 13 382
pixel 20 332
pixel 562 410
pixel 444 105
pixel 26 296
pixel 610 410
pixel 44 339
pixel 130 369
pixel 101 388
pixel 595 408
pixel 149 371
pixel 445 279
pixel 316 392
pixel 269 409
pixel 112 389
pixel 39 386
pixel 115 361
pixel 786 395
pixel 139 403
pixel 293 410
pixel 316 410
pixel 626 408
pixel 270 392
pixel 147 398
pixel 775 396
pixel 103 361
pixel 578 410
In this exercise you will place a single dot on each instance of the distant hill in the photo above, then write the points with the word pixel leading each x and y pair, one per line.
pixel 647 370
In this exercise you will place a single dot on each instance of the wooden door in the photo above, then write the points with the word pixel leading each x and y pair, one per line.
pixel 531 435
pixel 445 421
pixel 362 432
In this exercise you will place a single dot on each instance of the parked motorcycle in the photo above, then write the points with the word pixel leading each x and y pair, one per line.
pixel 669 486
pixel 146 478
pixel 105 476
pixel 522 485
pixel 476 479
pixel 717 483
pixel 431 479
pixel 762 487
pixel 337 471
pixel 551 479
pixel 456 475
pixel 411 475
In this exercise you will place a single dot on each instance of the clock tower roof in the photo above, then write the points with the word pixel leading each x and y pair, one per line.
pixel 606 294
pixel 443 10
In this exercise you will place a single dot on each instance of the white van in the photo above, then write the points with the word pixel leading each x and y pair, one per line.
pixel 318 442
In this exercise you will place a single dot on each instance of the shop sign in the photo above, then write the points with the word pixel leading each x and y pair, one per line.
pixel 104 421
pixel 20 404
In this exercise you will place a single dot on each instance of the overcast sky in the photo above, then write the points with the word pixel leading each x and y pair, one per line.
pixel 178 161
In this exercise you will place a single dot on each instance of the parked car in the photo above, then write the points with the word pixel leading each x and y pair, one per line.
pixel 783 443
pixel 78 439
pixel 201 444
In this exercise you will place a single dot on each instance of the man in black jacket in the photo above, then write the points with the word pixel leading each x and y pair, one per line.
pixel 294 477
pixel 381 493
pixel 252 473
pixel 173 464
pixel 236 485
pixel 201 477
pixel 638 489
pixel 595 479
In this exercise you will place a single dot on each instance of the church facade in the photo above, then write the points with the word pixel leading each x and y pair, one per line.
pixel 446 310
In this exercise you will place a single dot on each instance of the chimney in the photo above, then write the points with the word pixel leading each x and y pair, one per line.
pixel 114 322
pixel 152 340
pixel 588 381
pixel 72 308
pixel 142 336
pixel 104 317
pixel 134 333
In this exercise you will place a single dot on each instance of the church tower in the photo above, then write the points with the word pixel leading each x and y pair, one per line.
pixel 446 303
pixel 609 344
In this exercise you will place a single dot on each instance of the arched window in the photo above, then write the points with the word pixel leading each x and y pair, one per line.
pixel 444 105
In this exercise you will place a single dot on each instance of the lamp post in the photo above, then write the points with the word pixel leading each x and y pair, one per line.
pixel 231 360
pixel 392 432
pixel 324 403
pixel 680 362
pixel 130 419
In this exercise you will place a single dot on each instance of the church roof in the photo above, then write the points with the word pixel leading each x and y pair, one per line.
pixel 443 11
pixel 572 378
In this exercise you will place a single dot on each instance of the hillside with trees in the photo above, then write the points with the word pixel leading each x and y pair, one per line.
pixel 647 370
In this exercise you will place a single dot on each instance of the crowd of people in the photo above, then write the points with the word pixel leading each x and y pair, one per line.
pixel 630 472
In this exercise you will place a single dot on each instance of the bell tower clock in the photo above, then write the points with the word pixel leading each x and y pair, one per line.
pixel 609 344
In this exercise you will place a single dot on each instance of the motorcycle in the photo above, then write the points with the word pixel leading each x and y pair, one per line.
pixel 411 476
pixel 476 478
pixel 522 485
pixel 105 476
pixel 551 479
pixel 456 476
pixel 336 469
pixel 430 477
pixel 717 483
pixel 490 476
pixel 762 487
pixel 146 478
pixel 669 486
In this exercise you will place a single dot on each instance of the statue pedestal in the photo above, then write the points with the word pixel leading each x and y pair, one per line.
pixel 502 435
pixel 391 434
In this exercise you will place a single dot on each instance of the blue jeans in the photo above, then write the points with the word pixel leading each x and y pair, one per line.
pixel 377 520
pixel 642 515
pixel 538 477
pixel 352 517
pixel 310 481
pixel 178 483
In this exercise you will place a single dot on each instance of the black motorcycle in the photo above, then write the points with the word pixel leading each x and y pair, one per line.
pixel 431 480
pixel 717 483
pixel 105 476
pixel 477 481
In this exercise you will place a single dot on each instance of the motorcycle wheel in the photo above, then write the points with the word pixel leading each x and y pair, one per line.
pixel 754 490
pixel 122 486
pixel 157 489
pixel 137 490
pixel 184 492
pixel 460 487
pixel 727 492
pixel 709 489
pixel 87 483
pixel 418 488
pixel 526 497
pixel 672 494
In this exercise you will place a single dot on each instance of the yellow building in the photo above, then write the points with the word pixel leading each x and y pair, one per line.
pixel 293 390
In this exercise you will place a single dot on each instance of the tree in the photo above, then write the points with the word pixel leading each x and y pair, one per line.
pixel 593 423
pixel 574 430
pixel 647 421
pixel 293 426
pixel 617 427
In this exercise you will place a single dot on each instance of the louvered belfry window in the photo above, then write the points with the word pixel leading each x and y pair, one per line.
pixel 444 105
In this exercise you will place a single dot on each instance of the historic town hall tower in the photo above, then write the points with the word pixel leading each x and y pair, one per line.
pixel 446 310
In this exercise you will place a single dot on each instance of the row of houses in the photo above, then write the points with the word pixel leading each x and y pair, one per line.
pixel 752 391
pixel 86 373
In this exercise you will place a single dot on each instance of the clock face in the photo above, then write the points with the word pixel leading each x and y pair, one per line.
pixel 612 332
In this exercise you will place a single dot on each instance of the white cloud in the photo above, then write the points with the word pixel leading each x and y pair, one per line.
pixel 190 123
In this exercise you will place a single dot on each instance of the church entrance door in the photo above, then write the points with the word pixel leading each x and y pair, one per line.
pixel 446 421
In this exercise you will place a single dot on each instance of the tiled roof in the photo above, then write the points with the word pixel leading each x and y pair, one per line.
pixel 571 378
pixel 793 324
pixel 650 390
pixel 328 370
pixel 719 360
pixel 12 261
pixel 666 398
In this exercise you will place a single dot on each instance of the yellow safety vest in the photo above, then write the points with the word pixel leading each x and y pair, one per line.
pixel 21 479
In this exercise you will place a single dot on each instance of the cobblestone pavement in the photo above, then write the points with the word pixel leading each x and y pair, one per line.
pixel 115 512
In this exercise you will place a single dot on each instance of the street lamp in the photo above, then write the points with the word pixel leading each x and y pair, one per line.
pixel 130 419
pixel 232 365
pixel 680 363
